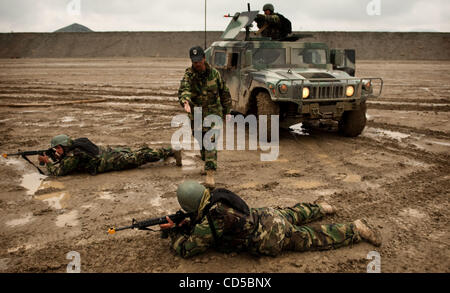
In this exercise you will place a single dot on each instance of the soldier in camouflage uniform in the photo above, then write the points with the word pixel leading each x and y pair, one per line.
pixel 225 222
pixel 269 23
pixel 81 155
pixel 203 86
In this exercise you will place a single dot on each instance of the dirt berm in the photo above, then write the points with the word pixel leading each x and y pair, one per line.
pixel 368 45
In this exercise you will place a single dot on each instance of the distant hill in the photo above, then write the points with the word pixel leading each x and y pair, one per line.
pixel 74 28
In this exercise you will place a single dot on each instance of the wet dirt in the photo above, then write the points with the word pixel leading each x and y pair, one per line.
pixel 396 174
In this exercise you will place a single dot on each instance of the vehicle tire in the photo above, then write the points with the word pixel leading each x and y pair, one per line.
pixel 352 123
pixel 267 107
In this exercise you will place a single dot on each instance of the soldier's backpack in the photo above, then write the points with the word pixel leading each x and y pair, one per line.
pixel 286 26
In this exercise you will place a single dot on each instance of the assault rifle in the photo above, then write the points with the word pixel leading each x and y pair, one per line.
pixel 143 225
pixel 49 152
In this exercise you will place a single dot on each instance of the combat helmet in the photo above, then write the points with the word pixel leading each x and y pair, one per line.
pixel 269 6
pixel 61 139
pixel 189 194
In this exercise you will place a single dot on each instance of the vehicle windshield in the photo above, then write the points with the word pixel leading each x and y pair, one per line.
pixel 303 56
pixel 269 56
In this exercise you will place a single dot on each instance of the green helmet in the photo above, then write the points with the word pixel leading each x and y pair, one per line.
pixel 268 7
pixel 189 194
pixel 61 139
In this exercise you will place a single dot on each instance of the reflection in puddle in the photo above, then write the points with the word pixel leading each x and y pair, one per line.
pixel 298 129
pixel 32 181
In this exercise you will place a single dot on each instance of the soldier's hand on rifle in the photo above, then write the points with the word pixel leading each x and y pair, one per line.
pixel 187 107
pixel 43 159
pixel 169 225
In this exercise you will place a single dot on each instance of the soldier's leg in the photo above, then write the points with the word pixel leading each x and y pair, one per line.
pixel 210 156
pixel 302 213
pixel 321 237
pixel 134 159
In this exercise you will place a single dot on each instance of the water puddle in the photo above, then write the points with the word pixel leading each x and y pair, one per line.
pixel 412 213
pixel 67 119
pixel 439 143
pixel 68 220
pixel 377 132
pixel 31 180
pixel 325 192
pixel 107 195
pixel 55 200
pixel 188 164
pixel 21 221
pixel 298 129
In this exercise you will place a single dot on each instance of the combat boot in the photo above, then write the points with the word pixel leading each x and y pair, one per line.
pixel 209 181
pixel 367 232
pixel 326 208
pixel 177 156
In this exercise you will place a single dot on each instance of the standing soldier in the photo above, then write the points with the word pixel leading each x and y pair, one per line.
pixel 82 155
pixel 203 86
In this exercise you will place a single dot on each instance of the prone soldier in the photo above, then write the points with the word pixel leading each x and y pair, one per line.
pixel 82 155
pixel 224 221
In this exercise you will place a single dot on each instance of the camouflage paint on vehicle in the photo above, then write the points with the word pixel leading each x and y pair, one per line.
pixel 285 69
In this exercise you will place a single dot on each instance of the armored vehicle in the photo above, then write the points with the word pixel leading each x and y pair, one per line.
pixel 299 81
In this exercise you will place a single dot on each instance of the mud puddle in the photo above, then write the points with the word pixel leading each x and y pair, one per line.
pixel 298 129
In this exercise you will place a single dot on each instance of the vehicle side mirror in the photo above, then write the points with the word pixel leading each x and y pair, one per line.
pixel 343 59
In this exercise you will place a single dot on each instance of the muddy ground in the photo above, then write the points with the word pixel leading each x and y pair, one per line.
pixel 396 174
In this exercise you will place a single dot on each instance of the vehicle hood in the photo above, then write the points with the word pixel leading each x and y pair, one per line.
pixel 275 75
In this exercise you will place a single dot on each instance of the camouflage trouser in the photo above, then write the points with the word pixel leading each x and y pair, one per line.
pixel 208 156
pixel 124 158
pixel 283 229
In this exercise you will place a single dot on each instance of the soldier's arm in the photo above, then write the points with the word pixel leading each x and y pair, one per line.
pixel 272 19
pixel 224 93
pixel 63 167
pixel 201 238
pixel 185 91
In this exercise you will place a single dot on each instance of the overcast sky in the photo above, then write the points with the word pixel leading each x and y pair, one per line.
pixel 188 15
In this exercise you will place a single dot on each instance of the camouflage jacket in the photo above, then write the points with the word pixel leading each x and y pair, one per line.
pixel 207 90
pixel 261 232
pixel 77 160
pixel 273 29
pixel 233 229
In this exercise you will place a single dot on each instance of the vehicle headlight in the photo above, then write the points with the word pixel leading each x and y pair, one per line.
pixel 350 91
pixel 283 88
pixel 305 92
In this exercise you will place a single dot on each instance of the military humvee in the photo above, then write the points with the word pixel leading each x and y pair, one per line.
pixel 299 81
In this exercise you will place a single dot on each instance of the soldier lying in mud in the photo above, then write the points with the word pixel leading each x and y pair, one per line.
pixel 224 221
pixel 81 155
